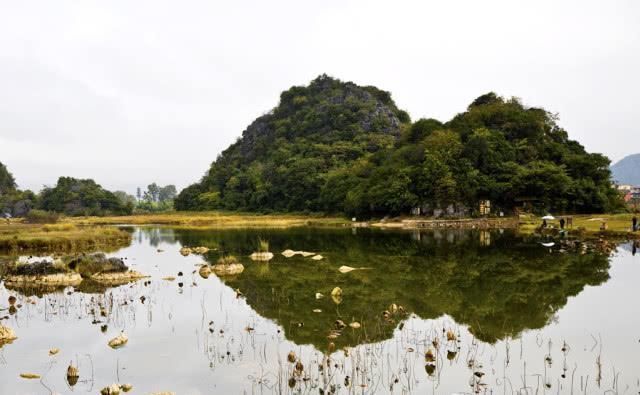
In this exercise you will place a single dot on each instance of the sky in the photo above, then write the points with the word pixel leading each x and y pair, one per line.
pixel 133 92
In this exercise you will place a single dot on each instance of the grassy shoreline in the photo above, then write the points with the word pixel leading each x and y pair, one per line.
pixel 20 237
pixel 94 233
pixel 213 219
pixel 618 225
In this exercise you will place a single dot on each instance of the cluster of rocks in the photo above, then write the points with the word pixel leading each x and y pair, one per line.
pixel 305 254
pixel 225 266
pixel 49 271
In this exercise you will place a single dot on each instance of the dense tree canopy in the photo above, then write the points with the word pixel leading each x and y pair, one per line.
pixel 73 196
pixel 12 200
pixel 156 198
pixel 337 147
pixel 284 158
pixel 7 182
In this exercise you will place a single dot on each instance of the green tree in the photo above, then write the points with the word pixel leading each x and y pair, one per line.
pixel 7 182
pixel 167 192
pixel 153 193
pixel 73 196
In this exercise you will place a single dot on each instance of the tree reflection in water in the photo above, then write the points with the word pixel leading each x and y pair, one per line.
pixel 432 307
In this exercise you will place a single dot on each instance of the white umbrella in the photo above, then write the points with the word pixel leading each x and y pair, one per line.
pixel 548 217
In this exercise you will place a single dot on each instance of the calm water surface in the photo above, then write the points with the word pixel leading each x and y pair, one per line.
pixel 496 313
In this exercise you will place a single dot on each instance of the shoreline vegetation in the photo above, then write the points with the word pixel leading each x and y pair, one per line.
pixel 101 233
pixel 617 224
pixel 62 237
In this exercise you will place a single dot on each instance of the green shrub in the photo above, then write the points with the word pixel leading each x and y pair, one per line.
pixel 42 217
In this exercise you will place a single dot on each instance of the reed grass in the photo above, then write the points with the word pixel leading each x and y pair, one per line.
pixel 213 219
pixel 21 237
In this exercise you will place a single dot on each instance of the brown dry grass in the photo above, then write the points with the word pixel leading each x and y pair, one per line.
pixel 212 219
pixel 21 237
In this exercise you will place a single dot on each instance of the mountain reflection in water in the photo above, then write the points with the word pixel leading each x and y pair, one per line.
pixel 438 312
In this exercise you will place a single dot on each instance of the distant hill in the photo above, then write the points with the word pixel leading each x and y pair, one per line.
pixel 627 170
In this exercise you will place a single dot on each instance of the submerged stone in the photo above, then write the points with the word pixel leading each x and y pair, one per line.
pixel 261 256
pixel 118 341
pixel 62 278
pixel 204 271
pixel 118 278
pixel 6 334
pixel 222 269
pixel 113 389
pixel 200 250
pixel 288 253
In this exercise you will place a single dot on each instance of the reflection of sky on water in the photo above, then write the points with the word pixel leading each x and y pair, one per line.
pixel 172 345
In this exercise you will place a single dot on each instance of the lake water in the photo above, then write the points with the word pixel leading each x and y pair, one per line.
pixel 495 313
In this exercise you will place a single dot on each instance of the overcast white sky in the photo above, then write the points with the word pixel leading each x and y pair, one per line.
pixel 130 92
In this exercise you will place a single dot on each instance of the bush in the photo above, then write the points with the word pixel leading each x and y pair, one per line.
pixel 89 264
pixel 40 268
pixel 42 217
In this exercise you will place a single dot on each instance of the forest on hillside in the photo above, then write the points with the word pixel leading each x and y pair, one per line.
pixel 78 197
pixel 336 147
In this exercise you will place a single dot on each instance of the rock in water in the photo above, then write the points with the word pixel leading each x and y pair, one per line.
pixel 6 334
pixel 288 253
pixel 73 374
pixel 118 341
pixel 118 278
pixel 205 271
pixel 317 257
pixel 228 269
pixel 113 389
pixel 261 256
pixel 201 250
